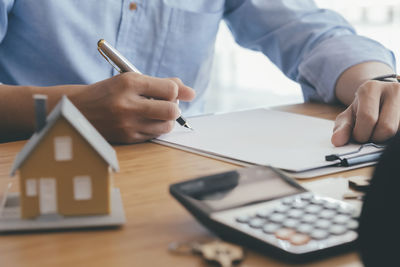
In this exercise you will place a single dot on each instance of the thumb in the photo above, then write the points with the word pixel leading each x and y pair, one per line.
pixel 343 127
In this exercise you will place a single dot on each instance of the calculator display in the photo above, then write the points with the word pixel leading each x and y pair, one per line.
pixel 242 187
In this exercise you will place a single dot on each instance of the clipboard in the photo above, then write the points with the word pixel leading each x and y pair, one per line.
pixel 296 144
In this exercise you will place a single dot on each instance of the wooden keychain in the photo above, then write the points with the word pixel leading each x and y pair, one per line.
pixel 223 253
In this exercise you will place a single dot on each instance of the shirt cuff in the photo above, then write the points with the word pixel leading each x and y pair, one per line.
pixel 325 63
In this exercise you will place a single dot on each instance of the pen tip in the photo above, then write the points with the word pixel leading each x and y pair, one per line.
pixel 188 126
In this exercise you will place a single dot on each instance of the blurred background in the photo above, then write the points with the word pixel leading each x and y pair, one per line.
pixel 245 79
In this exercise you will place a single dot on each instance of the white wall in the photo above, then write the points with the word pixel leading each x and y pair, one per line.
pixel 245 79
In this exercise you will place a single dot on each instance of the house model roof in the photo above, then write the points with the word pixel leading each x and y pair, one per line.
pixel 67 110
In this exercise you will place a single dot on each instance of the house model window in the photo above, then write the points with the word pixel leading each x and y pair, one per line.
pixel 31 190
pixel 63 148
pixel 82 188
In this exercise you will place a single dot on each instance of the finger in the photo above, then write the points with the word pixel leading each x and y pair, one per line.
pixel 389 117
pixel 155 128
pixel 185 93
pixel 367 113
pixel 128 136
pixel 148 129
pixel 138 138
pixel 343 127
pixel 141 131
pixel 157 109
pixel 160 88
pixel 150 87
pixel 143 137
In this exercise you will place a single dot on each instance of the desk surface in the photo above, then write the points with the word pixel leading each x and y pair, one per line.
pixel 154 218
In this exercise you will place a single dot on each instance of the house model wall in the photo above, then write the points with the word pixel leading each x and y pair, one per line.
pixel 65 167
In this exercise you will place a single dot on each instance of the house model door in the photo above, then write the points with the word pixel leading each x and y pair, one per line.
pixel 47 196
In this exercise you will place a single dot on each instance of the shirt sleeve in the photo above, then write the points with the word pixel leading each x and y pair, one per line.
pixel 5 7
pixel 310 45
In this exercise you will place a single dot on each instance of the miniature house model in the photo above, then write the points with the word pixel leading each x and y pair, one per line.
pixel 65 167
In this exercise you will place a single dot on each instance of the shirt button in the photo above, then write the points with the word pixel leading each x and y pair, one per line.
pixel 132 6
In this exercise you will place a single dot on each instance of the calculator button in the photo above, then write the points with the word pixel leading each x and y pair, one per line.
pixel 323 224
pixel 313 209
pixel 352 224
pixel 284 233
pixel 243 218
pixel 307 196
pixel 345 210
pixel 309 218
pixel 327 214
pixel 277 217
pixel 299 239
pixel 331 205
pixel 341 219
pixel 299 204
pixel 264 213
pixel 256 223
pixel 337 229
pixel 305 228
pixel 295 213
pixel 287 201
pixel 317 201
pixel 355 213
pixel 290 223
pixel 319 234
pixel 271 228
pixel 282 208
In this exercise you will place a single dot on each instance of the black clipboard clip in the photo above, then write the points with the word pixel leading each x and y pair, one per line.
pixel 346 161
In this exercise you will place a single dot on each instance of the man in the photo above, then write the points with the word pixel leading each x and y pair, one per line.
pixel 379 224
pixel 49 47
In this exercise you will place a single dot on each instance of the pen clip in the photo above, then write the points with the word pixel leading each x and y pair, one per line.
pixel 109 61
pixel 357 159
pixel 333 157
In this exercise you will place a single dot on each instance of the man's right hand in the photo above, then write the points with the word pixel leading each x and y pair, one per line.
pixel 127 108
pixel 132 108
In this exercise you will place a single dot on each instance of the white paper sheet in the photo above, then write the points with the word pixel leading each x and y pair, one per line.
pixel 288 141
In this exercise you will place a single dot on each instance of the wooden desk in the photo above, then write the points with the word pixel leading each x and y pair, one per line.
pixel 154 218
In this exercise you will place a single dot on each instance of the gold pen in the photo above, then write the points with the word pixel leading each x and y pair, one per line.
pixel 121 64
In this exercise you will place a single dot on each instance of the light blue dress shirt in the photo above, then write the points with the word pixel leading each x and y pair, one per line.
pixel 50 42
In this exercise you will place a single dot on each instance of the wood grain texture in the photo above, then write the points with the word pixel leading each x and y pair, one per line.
pixel 154 218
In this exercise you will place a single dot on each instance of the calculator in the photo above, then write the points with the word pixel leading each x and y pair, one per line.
pixel 262 208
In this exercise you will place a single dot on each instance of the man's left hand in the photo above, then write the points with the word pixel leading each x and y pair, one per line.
pixel 374 114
